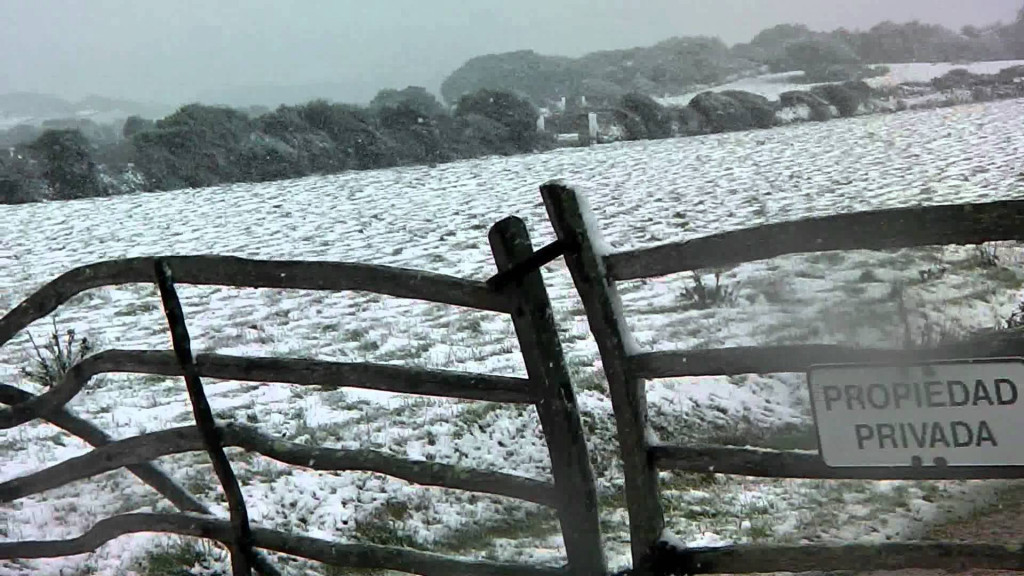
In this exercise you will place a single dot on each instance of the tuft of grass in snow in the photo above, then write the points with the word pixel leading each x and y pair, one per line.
pixel 56 356
pixel 384 527
pixel 701 296
pixel 533 523
pixel 180 557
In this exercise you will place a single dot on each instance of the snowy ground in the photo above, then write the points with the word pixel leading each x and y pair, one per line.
pixel 926 71
pixel 436 219
pixel 772 85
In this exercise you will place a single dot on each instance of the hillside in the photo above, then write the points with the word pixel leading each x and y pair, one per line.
pixel 30 108
pixel 680 65
pixel 666 67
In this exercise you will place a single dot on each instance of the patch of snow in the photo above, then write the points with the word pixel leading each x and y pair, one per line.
pixel 927 71
pixel 771 86
pixel 790 114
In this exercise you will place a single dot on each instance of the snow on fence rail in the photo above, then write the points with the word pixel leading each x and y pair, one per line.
pixel 519 291
pixel 595 272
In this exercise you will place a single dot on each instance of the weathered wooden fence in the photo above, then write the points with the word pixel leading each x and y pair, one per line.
pixel 595 274
pixel 517 290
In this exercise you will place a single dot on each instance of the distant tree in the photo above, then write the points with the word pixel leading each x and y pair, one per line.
pixel 314 151
pixel 473 135
pixel 67 165
pixel 769 45
pixel 970 31
pixel 20 180
pixel 761 110
pixel 353 130
pixel 821 60
pixel 13 191
pixel 255 111
pixel 780 35
pixel 846 97
pixel 417 138
pixel 413 97
pixel 889 42
pixel 135 124
pixel 540 78
pixel 720 113
pixel 599 93
pixel 515 114
pixel 643 118
pixel 1012 36
pixel 195 146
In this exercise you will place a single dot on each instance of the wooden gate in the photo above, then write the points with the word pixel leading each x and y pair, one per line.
pixel 595 274
pixel 520 294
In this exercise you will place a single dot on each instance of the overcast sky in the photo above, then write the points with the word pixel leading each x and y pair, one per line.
pixel 178 50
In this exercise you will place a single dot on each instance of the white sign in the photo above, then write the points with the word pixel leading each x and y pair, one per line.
pixel 962 413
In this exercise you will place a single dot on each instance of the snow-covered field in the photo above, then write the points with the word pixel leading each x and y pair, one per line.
pixel 436 219
pixel 772 85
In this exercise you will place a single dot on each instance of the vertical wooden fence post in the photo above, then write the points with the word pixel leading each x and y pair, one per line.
pixel 628 394
pixel 559 415
pixel 243 557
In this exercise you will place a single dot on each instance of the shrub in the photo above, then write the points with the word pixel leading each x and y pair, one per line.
pixel 20 180
pixel 54 358
pixel 414 97
pixel 760 109
pixel 723 114
pixel 416 137
pixel 821 60
pixel 181 557
pixel 702 296
pixel 135 124
pixel 643 118
pixel 14 191
pixel 67 165
pixel 314 151
pixel 819 107
pixel 477 135
pixel 846 97
pixel 687 121
pixel 195 146
pixel 516 116
pixel 354 132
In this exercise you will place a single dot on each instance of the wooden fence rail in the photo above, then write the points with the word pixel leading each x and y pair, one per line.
pixel 330 375
pixel 149 447
pixel 870 230
pixel 883 557
pixel 363 556
pixel 96 437
pixel 246 273
pixel 520 293
pixel 796 358
pixel 595 273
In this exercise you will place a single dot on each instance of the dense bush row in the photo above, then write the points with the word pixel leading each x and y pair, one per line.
pixel 204 145
pixel 641 117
